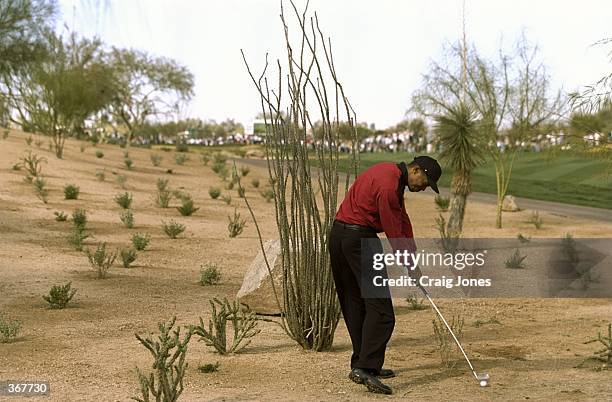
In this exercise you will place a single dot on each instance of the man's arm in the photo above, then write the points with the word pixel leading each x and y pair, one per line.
pixel 395 222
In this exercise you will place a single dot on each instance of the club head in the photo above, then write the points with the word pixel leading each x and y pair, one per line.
pixel 483 379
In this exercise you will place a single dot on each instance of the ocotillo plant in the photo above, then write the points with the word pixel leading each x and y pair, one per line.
pixel 303 219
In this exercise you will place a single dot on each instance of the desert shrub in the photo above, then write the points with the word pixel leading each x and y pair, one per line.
pixel 241 192
pixel 124 200
pixel 523 239
pixel 99 154
pixel 187 208
pixel 82 148
pixel 169 171
pixel 219 158
pixel 162 184
pixel 16 167
pixel 235 225
pixel 208 367
pixel 156 159
pixel 446 345
pixel 126 154
pixel 209 274
pixel 172 228
pixel 71 192
pixel 414 303
pixel 40 186
pixel 516 260
pixel 128 256
pixel 127 217
pixel 162 198
pixel 181 195
pixel 38 143
pixel 101 260
pixel 100 175
pixel 60 216
pixel 229 185
pixel 5 134
pixel 128 162
pixel 442 203
pixel 243 323
pixel 268 194
pixel 28 140
pixel 181 147
pixel 535 219
pixel 60 295
pixel 217 167
pixel 140 241
pixel 244 170
pixel 205 159
pixel 214 192
pixel 227 199
pixel 603 355
pixel 492 320
pixel 32 163
pixel 255 182
pixel 79 218
pixel 8 329
pixel 76 238
pixel 223 173
pixel 121 180
pixel 169 353
pixel 180 159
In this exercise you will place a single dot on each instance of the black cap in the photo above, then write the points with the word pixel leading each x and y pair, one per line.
pixel 432 170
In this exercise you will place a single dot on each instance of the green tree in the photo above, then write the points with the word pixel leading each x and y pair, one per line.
pixel 147 87
pixel 56 95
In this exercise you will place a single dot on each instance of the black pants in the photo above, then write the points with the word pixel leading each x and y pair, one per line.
pixel 370 321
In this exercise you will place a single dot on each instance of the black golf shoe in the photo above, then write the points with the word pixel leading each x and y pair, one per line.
pixel 361 376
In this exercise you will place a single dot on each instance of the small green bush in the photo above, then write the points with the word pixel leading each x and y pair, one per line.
pixel 76 238
pixel 156 159
pixel 244 170
pixel 516 260
pixel 101 260
pixel 60 216
pixel 172 228
pixel 255 183
pixel 535 219
pixel 42 192
pixel 241 192
pixel 227 199
pixel 124 200
pixel 442 203
pixel 28 140
pixel 99 154
pixel 8 330
pixel 59 296
pixel 162 184
pixel 236 225
pixel 82 148
pixel 100 175
pixel 71 192
pixel 79 218
pixel 128 256
pixel 180 159
pixel 128 162
pixel 121 180
pixel 140 241
pixel 181 147
pixel 38 143
pixel 205 158
pixel 208 368
pixel 268 194
pixel 209 274
pixel 214 192
pixel 32 163
pixel 187 208
pixel 127 217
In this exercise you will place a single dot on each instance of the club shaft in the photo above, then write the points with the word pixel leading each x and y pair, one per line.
pixel 426 293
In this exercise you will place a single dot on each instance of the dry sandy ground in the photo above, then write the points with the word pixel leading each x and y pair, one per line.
pixel 88 351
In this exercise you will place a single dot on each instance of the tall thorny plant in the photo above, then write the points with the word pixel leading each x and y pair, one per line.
pixel 309 303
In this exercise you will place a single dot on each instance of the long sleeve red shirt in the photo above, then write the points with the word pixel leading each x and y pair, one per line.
pixel 376 199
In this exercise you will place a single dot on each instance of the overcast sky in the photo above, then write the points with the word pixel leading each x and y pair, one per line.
pixel 381 47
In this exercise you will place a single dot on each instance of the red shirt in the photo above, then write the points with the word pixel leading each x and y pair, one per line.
pixel 376 199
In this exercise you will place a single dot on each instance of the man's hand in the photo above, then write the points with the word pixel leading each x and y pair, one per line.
pixel 415 273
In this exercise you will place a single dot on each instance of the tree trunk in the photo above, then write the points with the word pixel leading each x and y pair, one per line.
pixel 460 188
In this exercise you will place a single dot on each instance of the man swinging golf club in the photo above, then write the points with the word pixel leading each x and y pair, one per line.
pixel 373 204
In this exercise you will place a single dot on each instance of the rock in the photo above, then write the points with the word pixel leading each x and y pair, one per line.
pixel 256 291
pixel 509 204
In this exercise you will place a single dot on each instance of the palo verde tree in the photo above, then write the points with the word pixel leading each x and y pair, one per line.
pixel 305 201
pixel 147 87
pixel 510 97
pixel 55 95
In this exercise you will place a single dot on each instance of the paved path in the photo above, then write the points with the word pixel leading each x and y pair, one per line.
pixel 556 208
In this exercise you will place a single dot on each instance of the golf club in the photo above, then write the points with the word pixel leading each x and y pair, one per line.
pixel 482 378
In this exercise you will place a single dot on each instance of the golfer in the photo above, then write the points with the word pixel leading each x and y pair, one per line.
pixel 373 204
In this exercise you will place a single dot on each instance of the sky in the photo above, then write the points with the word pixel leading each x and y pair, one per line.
pixel 381 47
